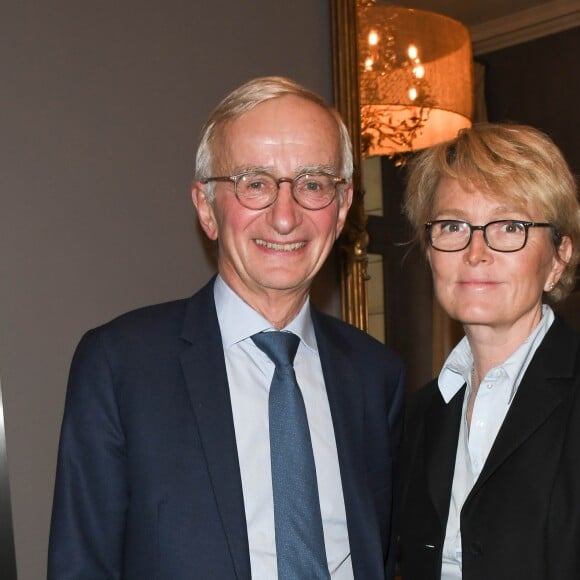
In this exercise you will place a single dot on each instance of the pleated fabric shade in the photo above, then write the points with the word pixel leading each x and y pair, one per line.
pixel 415 76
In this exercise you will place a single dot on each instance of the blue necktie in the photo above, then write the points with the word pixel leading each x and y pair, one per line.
pixel 299 537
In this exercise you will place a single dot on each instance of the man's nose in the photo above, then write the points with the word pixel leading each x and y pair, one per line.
pixel 285 213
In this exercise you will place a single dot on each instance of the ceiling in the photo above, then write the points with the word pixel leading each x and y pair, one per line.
pixel 473 12
pixel 495 24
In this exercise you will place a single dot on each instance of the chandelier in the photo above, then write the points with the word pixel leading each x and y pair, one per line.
pixel 415 78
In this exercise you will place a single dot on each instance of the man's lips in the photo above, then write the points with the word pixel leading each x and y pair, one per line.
pixel 280 247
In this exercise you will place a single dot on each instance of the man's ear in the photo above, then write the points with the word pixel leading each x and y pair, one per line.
pixel 347 194
pixel 205 212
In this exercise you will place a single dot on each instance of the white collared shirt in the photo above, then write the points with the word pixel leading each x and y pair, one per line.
pixel 250 373
pixel 494 397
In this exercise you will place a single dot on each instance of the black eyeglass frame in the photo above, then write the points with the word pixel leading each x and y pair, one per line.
pixel 235 178
pixel 525 224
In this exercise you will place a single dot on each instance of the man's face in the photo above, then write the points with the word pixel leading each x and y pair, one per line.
pixel 279 249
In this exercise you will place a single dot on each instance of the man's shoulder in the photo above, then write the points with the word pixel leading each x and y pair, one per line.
pixel 146 329
pixel 164 313
pixel 156 320
pixel 358 341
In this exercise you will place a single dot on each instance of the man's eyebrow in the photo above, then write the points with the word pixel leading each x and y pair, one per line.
pixel 315 169
pixel 252 169
pixel 300 170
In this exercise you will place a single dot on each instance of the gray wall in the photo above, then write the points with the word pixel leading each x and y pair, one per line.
pixel 100 107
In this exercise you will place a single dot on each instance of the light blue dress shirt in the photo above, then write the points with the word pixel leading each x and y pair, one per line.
pixel 494 397
pixel 250 373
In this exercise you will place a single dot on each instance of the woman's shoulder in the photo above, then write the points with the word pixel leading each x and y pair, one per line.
pixel 423 397
pixel 561 345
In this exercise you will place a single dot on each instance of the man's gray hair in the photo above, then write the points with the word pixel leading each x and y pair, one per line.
pixel 245 98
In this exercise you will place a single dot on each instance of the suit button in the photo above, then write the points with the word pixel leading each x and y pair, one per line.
pixel 475 548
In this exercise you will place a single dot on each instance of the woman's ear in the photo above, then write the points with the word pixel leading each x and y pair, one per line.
pixel 561 259
pixel 205 210
pixel 565 249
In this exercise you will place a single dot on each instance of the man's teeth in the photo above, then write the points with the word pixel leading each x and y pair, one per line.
pixel 281 247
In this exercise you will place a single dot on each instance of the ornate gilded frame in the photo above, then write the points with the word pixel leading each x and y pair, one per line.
pixel 354 239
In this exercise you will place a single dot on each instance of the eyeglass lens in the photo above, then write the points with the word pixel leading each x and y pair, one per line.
pixel 311 190
pixel 455 235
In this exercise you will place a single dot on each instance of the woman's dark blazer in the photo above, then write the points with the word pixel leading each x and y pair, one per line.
pixel 521 520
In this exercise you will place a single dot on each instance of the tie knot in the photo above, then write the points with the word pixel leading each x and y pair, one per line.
pixel 280 347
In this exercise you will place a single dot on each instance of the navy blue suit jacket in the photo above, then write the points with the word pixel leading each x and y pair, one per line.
pixel 148 483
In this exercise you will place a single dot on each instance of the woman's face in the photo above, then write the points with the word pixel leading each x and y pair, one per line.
pixel 480 286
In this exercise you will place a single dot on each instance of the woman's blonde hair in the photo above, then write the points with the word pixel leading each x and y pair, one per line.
pixel 507 160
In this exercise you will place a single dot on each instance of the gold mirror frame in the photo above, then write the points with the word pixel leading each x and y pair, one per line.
pixel 355 238
pixel 346 99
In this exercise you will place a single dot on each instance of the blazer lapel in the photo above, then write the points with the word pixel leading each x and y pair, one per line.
pixel 441 437
pixel 541 391
pixel 205 374
pixel 347 409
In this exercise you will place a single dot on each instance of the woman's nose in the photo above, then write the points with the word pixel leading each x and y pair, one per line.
pixel 478 250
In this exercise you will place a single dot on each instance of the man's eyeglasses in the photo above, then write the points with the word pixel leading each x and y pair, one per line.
pixel 500 235
pixel 259 190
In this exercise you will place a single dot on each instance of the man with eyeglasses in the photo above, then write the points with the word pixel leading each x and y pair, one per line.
pixel 240 433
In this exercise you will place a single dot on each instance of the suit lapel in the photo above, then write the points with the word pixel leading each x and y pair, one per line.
pixel 441 437
pixel 347 409
pixel 541 391
pixel 205 374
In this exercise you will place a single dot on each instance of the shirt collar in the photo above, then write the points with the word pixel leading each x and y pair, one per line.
pixel 457 368
pixel 238 320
